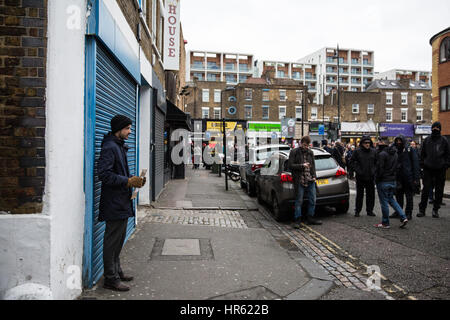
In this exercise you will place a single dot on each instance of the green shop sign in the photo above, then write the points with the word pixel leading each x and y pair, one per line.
pixel 270 127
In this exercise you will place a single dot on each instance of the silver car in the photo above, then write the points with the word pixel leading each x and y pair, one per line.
pixel 274 184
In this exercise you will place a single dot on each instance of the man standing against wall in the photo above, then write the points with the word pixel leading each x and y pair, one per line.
pixel 115 201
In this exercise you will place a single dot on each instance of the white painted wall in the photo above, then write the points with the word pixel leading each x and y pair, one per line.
pixel 24 252
pixel 64 199
pixel 144 143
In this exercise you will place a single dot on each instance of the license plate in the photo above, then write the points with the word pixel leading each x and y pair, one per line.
pixel 322 182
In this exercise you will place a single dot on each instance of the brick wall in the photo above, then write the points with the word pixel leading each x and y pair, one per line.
pixel 23 46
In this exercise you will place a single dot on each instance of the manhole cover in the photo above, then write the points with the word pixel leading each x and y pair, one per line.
pixel 181 247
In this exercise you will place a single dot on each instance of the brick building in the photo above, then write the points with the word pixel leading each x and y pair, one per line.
pixel 441 79
pixel 66 70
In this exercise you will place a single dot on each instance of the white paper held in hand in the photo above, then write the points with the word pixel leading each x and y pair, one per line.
pixel 136 190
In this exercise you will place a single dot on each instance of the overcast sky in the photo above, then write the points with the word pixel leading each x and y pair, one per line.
pixel 398 31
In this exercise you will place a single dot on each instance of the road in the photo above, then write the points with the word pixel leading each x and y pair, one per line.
pixel 413 262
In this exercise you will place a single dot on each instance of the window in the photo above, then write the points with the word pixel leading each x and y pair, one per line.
pixel 231 78
pixel 216 113
pixel 404 116
pixel 242 78
pixel 419 115
pixel 229 66
pixel 444 54
pixel 389 97
pixel 282 95
pixel 248 112
pixel 217 95
pixel 299 96
pixel 265 95
pixel 143 5
pixel 248 94
pixel 389 114
pixel 205 113
pixel 404 98
pixel 419 99
pixel 282 112
pixel 280 74
pixel 314 113
pixel 298 112
pixel 355 108
pixel 265 112
pixel 205 95
pixel 445 98
pixel 296 75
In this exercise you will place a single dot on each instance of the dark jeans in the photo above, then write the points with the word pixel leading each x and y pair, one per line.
pixel 386 195
pixel 432 178
pixel 311 200
pixel 113 240
pixel 405 192
pixel 369 186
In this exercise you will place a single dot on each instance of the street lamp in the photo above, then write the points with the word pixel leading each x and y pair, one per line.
pixel 336 55
pixel 224 135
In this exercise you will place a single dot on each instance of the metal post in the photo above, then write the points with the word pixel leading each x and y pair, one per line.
pixel 338 98
pixel 303 108
pixel 225 153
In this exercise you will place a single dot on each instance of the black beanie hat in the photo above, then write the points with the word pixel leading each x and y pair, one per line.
pixel 119 122
pixel 437 124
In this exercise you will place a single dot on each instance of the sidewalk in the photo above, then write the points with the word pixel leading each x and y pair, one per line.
pixel 200 242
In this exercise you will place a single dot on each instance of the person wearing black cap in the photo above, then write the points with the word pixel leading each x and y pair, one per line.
pixel 363 162
pixel 435 160
pixel 115 199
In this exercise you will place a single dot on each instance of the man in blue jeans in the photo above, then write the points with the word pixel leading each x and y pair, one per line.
pixel 385 177
pixel 302 165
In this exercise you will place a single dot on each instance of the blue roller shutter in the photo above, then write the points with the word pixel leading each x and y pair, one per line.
pixel 115 93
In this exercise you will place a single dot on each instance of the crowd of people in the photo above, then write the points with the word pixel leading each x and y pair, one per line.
pixel 396 171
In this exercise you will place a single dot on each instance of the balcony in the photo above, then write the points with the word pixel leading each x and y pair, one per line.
pixel 367 63
pixel 230 68
pixel 311 77
pixel 356 61
pixel 213 66
pixel 198 66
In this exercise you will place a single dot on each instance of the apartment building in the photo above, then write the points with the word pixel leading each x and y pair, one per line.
pixel 232 68
pixel 399 74
pixel 356 69
pixel 304 73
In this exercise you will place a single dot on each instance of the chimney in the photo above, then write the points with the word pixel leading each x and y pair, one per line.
pixel 404 83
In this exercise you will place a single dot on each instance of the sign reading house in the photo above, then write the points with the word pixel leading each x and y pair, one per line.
pixel 172 35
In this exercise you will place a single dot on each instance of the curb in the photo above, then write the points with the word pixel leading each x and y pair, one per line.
pixel 312 290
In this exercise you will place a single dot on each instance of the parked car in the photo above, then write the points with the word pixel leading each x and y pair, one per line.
pixel 256 158
pixel 274 184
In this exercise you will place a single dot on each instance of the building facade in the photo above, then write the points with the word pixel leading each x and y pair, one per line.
pixel 304 73
pixel 399 74
pixel 356 69
pixel 232 68
pixel 441 79
pixel 69 69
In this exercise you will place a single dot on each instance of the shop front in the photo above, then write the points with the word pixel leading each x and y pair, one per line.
pixel 392 130
pixel 263 133
pixel 422 131
pixel 352 132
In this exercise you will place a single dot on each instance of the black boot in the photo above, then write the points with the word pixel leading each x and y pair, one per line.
pixel 312 221
pixel 435 214
pixel 421 213
pixel 395 215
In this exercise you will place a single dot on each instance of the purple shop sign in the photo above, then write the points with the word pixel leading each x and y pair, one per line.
pixel 394 129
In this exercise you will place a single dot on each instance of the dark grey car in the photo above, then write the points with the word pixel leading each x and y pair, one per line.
pixel 274 184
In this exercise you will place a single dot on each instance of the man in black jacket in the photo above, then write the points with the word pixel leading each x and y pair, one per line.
pixel 435 160
pixel 408 175
pixel 115 200
pixel 386 171
pixel 338 154
pixel 303 168
pixel 363 162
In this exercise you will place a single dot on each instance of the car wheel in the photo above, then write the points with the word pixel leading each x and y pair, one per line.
pixel 278 211
pixel 342 208
pixel 258 194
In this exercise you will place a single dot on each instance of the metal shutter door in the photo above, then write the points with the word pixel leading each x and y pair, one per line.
pixel 159 152
pixel 115 94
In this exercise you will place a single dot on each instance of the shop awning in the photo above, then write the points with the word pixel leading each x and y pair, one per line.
pixel 359 127
pixel 177 118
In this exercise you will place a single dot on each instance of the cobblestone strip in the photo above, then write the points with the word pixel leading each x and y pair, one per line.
pixel 202 217
pixel 324 252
